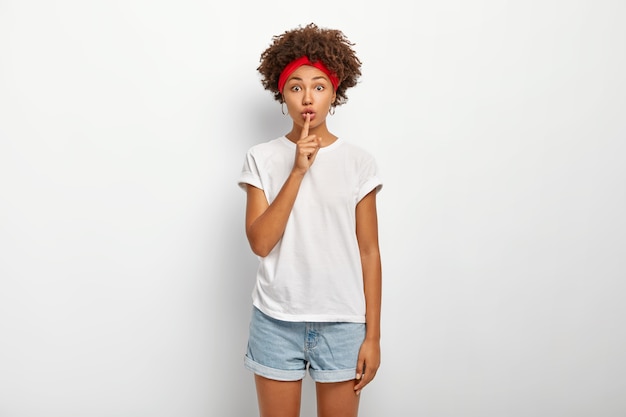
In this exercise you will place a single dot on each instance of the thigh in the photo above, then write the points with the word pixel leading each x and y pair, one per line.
pixel 337 399
pixel 278 398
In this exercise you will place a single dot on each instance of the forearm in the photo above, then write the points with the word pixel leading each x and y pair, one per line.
pixel 267 229
pixel 372 287
pixel 369 353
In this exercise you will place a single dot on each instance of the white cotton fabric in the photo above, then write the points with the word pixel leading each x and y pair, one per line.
pixel 314 272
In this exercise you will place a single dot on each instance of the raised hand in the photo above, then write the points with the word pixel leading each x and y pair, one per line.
pixel 306 147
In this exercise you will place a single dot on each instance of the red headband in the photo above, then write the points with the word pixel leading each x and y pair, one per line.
pixel 304 60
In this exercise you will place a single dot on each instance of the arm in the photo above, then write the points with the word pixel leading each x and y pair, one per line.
pixel 367 236
pixel 265 223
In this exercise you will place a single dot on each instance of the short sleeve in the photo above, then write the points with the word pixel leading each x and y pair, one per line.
pixel 250 172
pixel 370 179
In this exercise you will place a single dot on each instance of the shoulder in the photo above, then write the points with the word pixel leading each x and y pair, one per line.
pixel 267 148
pixel 357 152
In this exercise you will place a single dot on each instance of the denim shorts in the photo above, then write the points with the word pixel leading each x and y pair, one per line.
pixel 284 350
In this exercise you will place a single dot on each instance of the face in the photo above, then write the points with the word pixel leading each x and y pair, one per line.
pixel 308 90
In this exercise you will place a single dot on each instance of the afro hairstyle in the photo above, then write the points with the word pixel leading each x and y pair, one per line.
pixel 330 46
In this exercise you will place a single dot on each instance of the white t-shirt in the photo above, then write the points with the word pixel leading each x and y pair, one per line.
pixel 314 272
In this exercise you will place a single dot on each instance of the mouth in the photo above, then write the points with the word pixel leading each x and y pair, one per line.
pixel 311 114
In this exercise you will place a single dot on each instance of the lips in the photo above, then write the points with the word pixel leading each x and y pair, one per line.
pixel 308 111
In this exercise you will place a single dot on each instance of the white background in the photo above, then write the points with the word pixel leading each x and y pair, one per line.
pixel 125 275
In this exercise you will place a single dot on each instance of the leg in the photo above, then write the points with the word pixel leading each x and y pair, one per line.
pixel 337 399
pixel 278 398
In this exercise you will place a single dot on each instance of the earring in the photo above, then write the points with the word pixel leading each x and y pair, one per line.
pixel 331 111
pixel 282 109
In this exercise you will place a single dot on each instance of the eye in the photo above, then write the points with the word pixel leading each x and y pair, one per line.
pixel 319 88
pixel 296 88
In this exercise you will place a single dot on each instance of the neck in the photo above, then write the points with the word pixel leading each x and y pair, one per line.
pixel 319 131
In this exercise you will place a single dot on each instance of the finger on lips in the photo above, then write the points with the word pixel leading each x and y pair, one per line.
pixel 305 128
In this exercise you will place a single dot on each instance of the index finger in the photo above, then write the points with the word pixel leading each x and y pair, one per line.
pixel 305 128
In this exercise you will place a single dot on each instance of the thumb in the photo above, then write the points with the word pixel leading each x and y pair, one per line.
pixel 360 368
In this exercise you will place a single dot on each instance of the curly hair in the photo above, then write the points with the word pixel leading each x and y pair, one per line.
pixel 330 46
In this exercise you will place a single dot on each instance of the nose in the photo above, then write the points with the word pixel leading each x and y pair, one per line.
pixel 307 98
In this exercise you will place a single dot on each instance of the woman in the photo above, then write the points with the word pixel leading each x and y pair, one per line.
pixel 311 218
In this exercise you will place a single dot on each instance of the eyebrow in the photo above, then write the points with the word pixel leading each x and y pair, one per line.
pixel 319 77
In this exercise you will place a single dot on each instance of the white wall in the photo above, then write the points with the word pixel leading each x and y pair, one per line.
pixel 125 276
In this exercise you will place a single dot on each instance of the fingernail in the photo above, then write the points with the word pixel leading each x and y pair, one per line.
pixel 358 376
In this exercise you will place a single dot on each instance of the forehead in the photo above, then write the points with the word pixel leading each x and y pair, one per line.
pixel 307 72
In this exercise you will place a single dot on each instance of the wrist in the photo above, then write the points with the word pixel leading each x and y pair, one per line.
pixel 373 336
pixel 297 173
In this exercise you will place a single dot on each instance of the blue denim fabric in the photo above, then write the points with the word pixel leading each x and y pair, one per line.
pixel 284 350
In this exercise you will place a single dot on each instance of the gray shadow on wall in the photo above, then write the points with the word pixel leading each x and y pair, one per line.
pixel 267 122
pixel 237 263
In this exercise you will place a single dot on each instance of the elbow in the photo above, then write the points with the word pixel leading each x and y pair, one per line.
pixel 260 250
pixel 261 241
pixel 369 252
pixel 260 247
